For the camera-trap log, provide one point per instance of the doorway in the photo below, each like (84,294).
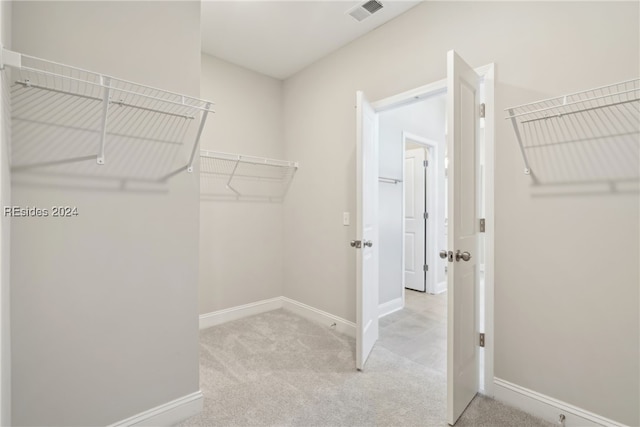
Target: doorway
(412,187)
(470,144)
(424,207)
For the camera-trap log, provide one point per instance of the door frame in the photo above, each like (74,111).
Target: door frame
(431,203)
(486,322)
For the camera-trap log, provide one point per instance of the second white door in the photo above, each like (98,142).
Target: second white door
(414,219)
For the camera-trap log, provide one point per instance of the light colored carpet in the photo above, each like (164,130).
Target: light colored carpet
(278,369)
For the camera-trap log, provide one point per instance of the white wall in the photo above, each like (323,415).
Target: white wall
(104,305)
(566,291)
(5,228)
(425,119)
(241,241)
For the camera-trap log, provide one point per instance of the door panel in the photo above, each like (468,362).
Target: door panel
(414,226)
(409,254)
(462,142)
(366,229)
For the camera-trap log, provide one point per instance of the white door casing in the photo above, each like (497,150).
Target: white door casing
(463,106)
(366,229)
(414,209)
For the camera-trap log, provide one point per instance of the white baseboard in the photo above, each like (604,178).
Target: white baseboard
(234,313)
(390,307)
(169,414)
(439,288)
(546,407)
(319,316)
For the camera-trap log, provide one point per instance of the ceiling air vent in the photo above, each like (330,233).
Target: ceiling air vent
(364,10)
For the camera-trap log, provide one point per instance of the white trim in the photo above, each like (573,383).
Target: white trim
(319,316)
(234,313)
(390,307)
(546,407)
(487,73)
(440,287)
(169,414)
(239,312)
(410,96)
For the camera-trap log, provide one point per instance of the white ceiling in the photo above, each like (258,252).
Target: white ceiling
(279,38)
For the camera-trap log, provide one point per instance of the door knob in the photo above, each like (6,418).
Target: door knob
(368,243)
(448,255)
(465,256)
(356,244)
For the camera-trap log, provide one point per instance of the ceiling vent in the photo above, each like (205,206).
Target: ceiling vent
(364,10)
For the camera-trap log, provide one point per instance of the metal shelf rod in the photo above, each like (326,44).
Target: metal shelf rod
(389,180)
(572,103)
(14,59)
(99,85)
(581,110)
(95,98)
(571,94)
(264,161)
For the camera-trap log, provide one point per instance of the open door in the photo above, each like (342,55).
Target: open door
(367,229)
(415,274)
(463,119)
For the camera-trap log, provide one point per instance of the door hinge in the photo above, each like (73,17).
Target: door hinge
(482,110)
(482,225)
(426,215)
(425,268)
(425,163)
(482,339)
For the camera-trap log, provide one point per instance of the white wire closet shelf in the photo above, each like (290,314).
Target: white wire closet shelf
(103,115)
(245,176)
(594,114)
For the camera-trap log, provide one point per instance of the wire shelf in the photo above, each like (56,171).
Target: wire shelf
(607,114)
(239,176)
(56,103)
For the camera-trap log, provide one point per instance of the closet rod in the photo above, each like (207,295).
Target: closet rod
(126,91)
(579,111)
(573,94)
(95,98)
(389,180)
(14,59)
(254,160)
(568,104)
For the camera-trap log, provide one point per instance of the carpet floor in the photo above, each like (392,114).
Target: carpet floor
(279,369)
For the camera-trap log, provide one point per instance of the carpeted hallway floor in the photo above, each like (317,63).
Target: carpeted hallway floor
(277,368)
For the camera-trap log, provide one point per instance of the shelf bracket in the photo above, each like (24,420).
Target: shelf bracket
(196,144)
(233,172)
(514,122)
(106,82)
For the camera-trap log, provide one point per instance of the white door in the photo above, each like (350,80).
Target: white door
(463,110)
(414,219)
(366,229)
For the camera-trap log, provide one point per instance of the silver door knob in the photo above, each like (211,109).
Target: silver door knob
(443,254)
(465,256)
(368,243)
(356,244)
